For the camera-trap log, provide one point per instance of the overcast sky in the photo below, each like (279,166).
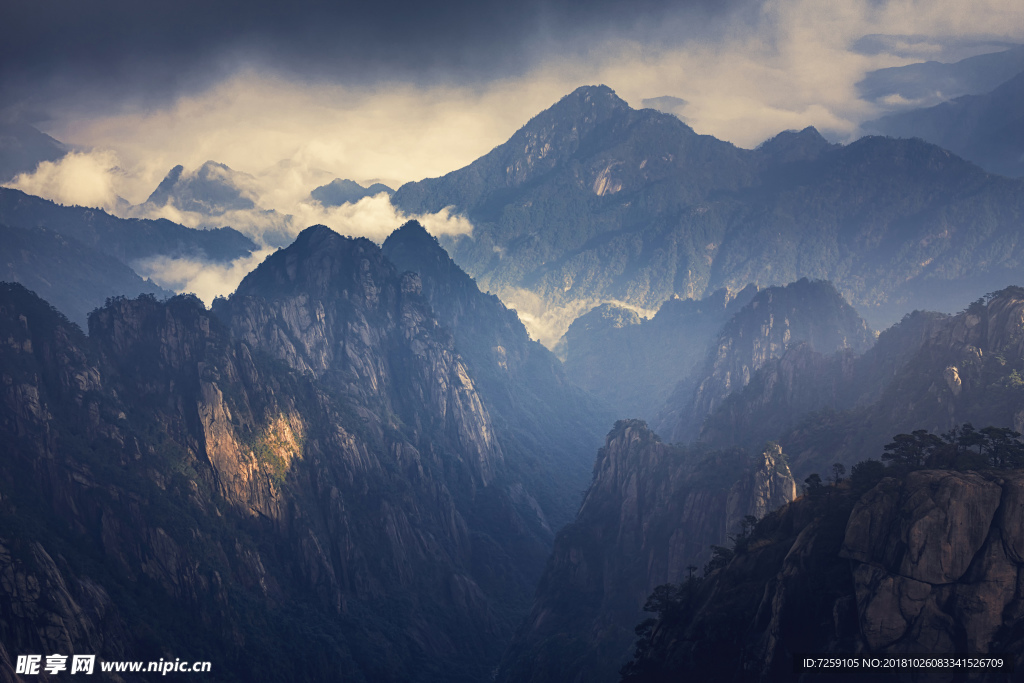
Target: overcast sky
(397,91)
(295,94)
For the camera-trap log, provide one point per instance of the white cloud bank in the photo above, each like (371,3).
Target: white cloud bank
(204,279)
(547,323)
(283,210)
(78,178)
(371,217)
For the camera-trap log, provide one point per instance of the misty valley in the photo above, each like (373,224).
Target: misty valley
(616,401)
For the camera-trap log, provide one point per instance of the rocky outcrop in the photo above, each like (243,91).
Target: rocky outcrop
(931,372)
(337,310)
(648,518)
(926,565)
(43,612)
(934,562)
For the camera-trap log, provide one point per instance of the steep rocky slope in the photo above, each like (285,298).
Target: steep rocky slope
(802,382)
(651,512)
(552,427)
(776,319)
(928,564)
(229,505)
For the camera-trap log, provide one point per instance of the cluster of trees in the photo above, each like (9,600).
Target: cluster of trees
(961,448)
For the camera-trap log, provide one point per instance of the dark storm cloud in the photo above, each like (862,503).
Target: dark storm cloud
(152,50)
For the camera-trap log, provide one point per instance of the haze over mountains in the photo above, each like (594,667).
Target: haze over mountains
(929,83)
(362,463)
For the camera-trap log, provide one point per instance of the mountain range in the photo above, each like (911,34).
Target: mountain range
(127,240)
(74,277)
(77,257)
(594,202)
(926,84)
(362,465)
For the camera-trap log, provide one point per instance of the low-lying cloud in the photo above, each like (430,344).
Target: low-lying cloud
(78,178)
(283,207)
(547,323)
(204,279)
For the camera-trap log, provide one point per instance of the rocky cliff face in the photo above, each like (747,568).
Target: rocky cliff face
(552,427)
(652,511)
(230,489)
(928,564)
(812,313)
(305,480)
(337,310)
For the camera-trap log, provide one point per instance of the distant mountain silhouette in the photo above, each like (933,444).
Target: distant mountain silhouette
(338,192)
(929,83)
(75,278)
(23,148)
(127,240)
(212,189)
(987,129)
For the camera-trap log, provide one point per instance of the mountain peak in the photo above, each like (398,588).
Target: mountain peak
(792,145)
(163,190)
(214,188)
(413,232)
(586,102)
(319,263)
(596,93)
(411,247)
(314,236)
